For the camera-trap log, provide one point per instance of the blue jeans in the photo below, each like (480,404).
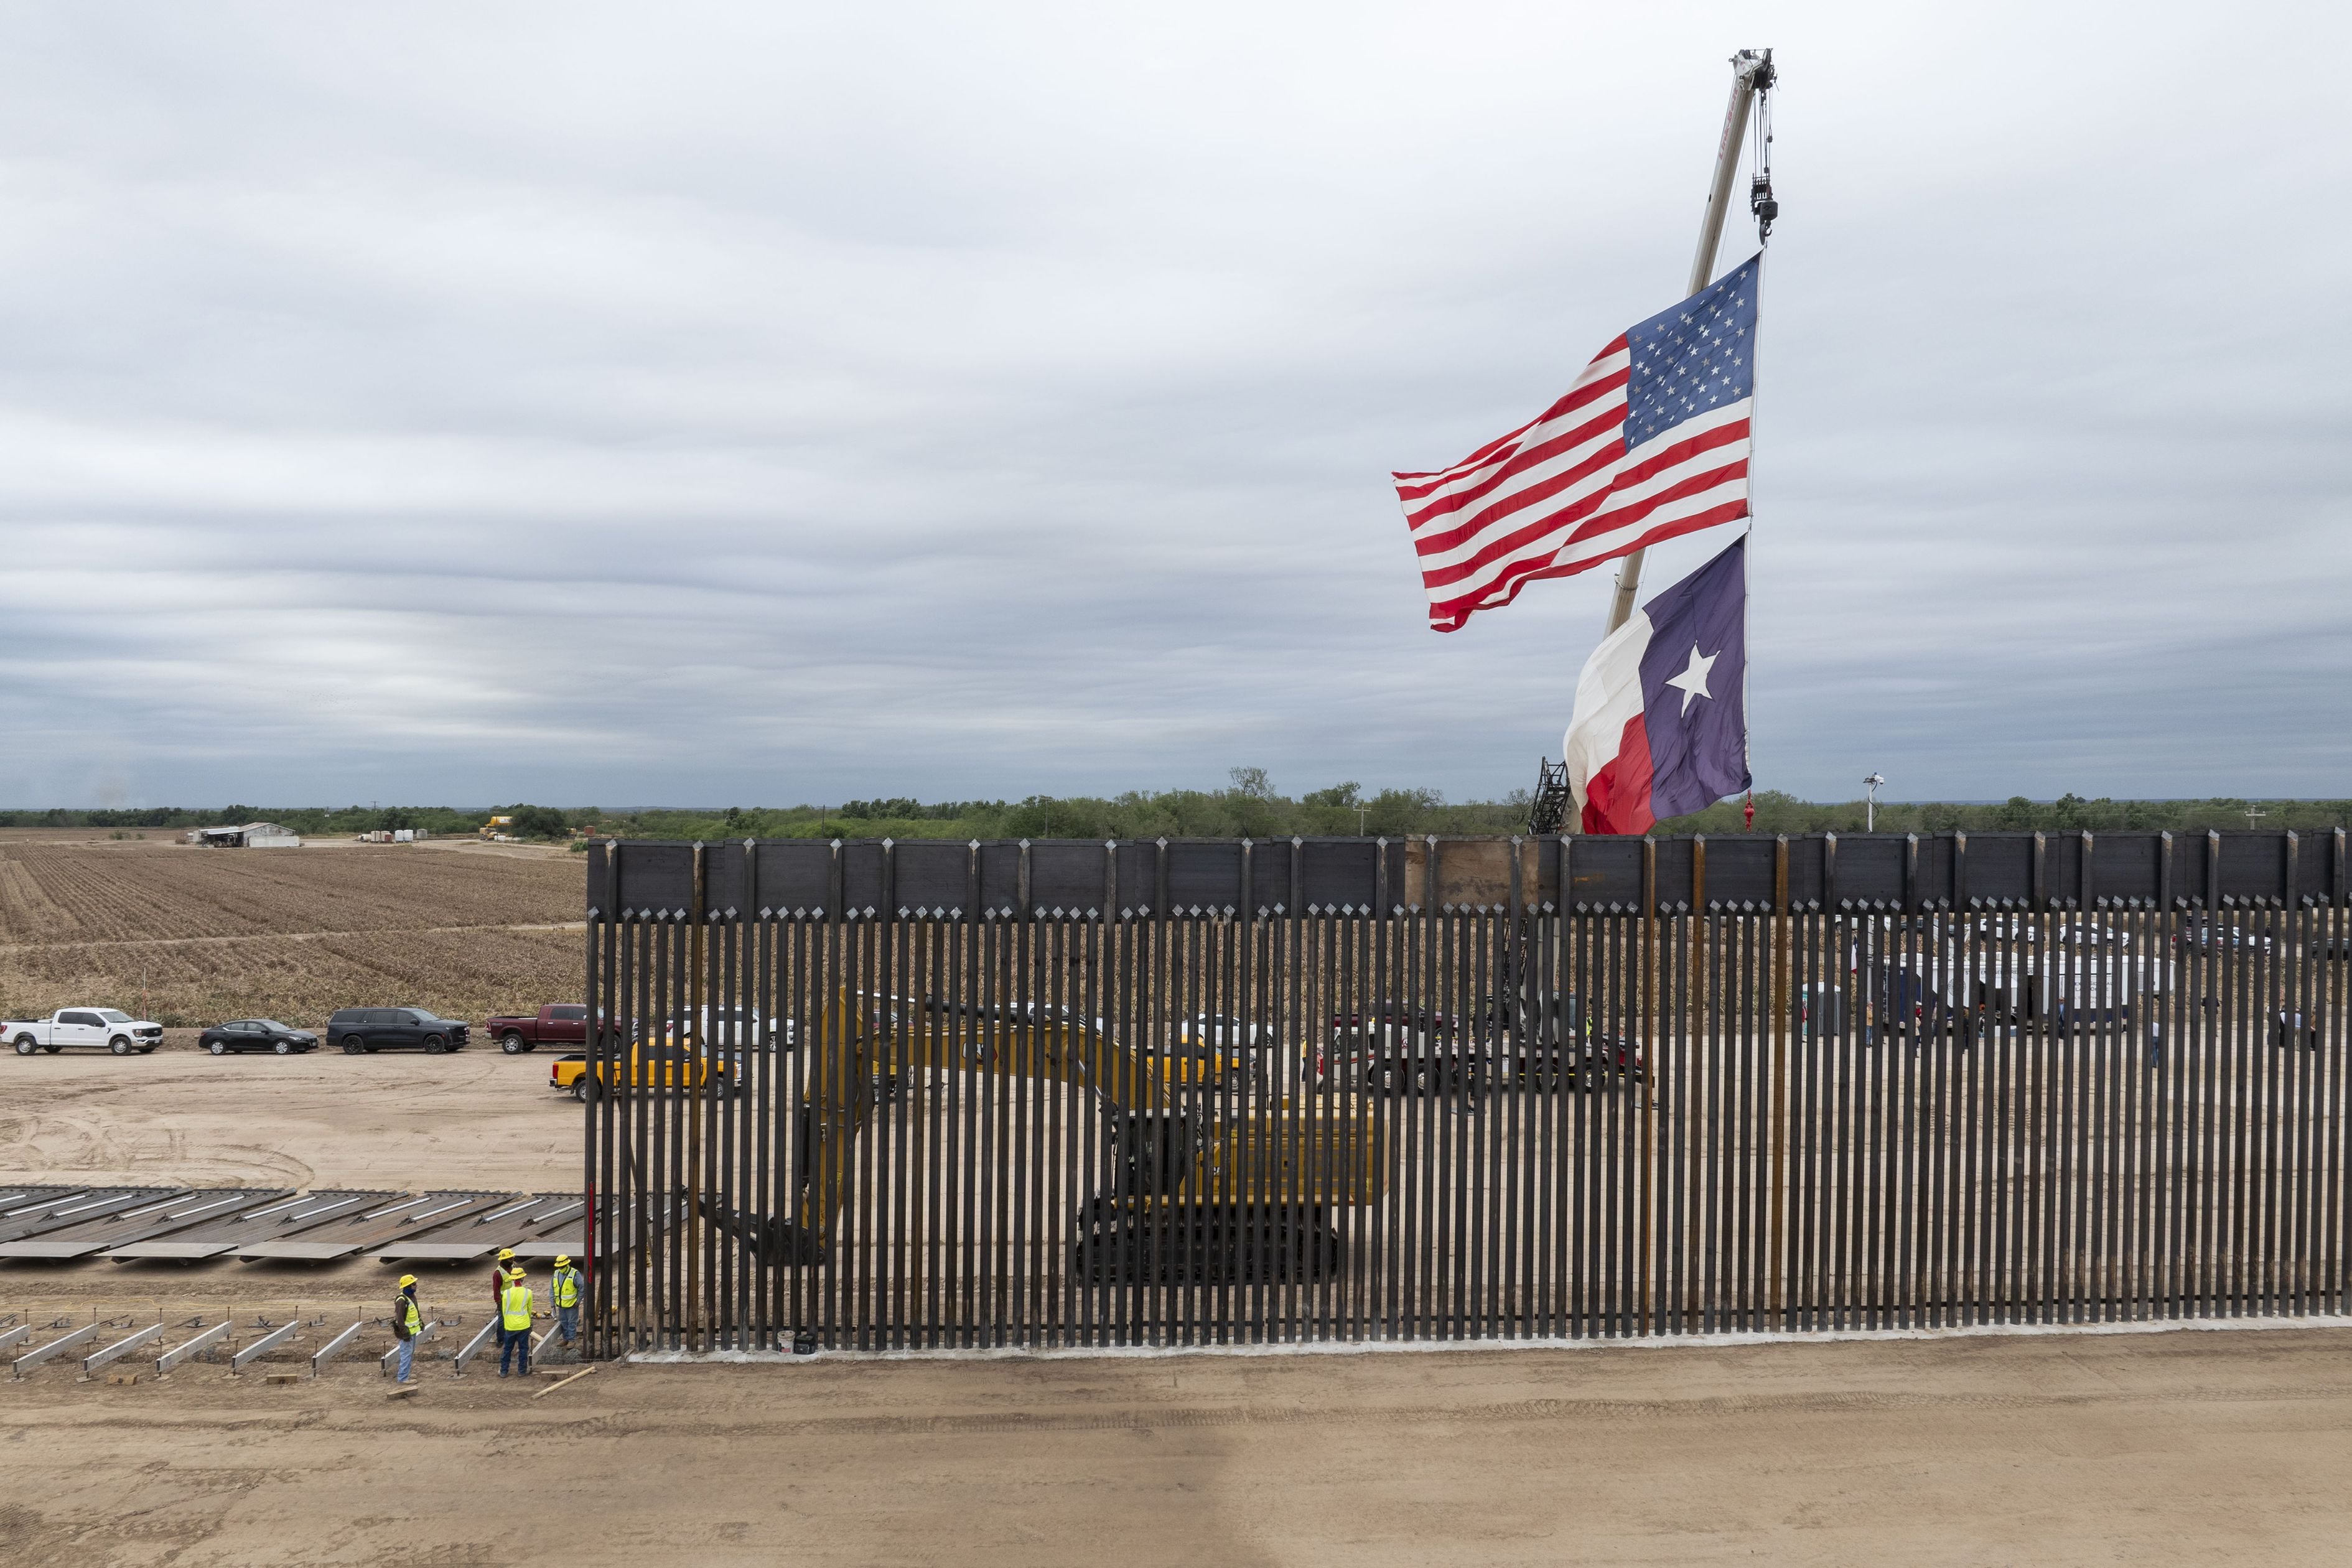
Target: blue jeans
(512,1341)
(407,1358)
(567,1324)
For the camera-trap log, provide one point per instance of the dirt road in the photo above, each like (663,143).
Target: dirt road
(2202,1447)
(474,1117)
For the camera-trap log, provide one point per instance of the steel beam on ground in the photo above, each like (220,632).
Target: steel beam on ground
(334,1347)
(267,1342)
(11,1336)
(384,1362)
(458,1367)
(96,1203)
(168,1215)
(288,1217)
(121,1348)
(525,1217)
(413,1213)
(198,1346)
(59,1346)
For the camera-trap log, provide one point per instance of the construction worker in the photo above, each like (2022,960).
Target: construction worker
(408,1323)
(564,1290)
(499,1286)
(514,1319)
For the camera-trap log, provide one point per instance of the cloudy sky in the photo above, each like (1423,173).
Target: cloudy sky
(766,404)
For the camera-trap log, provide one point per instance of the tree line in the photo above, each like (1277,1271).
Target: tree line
(1248,806)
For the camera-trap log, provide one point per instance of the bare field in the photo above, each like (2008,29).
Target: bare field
(2193,1448)
(471,1118)
(191,936)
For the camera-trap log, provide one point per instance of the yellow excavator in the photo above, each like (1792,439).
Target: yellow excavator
(1208,1184)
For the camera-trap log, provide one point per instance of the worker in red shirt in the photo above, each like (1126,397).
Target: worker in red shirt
(498,1289)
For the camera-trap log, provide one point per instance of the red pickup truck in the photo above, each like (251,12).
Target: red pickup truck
(557,1024)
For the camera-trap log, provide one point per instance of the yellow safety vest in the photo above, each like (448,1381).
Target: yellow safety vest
(567,1286)
(416,1323)
(514,1307)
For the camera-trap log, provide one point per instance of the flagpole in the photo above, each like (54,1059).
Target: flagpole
(1751,73)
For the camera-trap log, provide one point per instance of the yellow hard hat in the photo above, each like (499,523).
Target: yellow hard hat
(406,1280)
(563,1260)
(514,1273)
(505,1252)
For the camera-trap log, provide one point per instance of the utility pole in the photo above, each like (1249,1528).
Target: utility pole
(1361,809)
(1870,809)
(2254,813)
(1751,73)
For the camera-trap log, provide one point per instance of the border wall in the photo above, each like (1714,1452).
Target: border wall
(867,1095)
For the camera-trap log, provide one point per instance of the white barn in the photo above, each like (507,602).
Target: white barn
(248,836)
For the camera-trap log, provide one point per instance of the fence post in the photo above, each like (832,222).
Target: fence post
(1775,1258)
(1646,1166)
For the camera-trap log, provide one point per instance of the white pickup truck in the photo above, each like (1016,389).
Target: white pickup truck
(104,1027)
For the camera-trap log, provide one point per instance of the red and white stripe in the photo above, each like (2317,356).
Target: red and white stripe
(1562,494)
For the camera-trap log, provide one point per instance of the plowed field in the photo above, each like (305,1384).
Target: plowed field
(191,936)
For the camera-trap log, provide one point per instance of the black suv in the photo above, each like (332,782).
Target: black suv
(358,1029)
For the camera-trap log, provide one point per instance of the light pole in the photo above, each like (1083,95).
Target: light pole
(1870,807)
(1361,809)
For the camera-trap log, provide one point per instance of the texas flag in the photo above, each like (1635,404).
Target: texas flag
(1660,724)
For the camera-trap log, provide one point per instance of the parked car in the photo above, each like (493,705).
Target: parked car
(358,1029)
(557,1024)
(256,1035)
(98,1028)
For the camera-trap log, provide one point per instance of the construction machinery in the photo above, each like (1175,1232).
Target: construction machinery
(1201,1180)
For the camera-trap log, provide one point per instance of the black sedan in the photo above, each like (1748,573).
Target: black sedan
(256,1035)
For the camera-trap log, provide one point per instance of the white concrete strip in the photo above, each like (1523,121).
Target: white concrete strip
(334,1347)
(1477,1347)
(39,1353)
(202,1343)
(119,1348)
(262,1346)
(473,1345)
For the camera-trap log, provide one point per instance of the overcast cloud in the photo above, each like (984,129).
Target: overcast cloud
(758,404)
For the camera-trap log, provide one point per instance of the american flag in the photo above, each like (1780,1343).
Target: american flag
(1651,442)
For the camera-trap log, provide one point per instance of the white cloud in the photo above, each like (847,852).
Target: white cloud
(768,404)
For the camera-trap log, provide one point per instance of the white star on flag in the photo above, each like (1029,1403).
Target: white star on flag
(1692,681)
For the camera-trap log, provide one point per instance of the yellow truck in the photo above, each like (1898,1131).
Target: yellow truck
(657,1065)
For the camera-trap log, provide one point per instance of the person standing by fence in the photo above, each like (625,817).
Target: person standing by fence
(408,1323)
(499,1286)
(563,1290)
(514,1320)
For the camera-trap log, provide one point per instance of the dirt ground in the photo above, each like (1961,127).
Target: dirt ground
(474,1118)
(2205,1447)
